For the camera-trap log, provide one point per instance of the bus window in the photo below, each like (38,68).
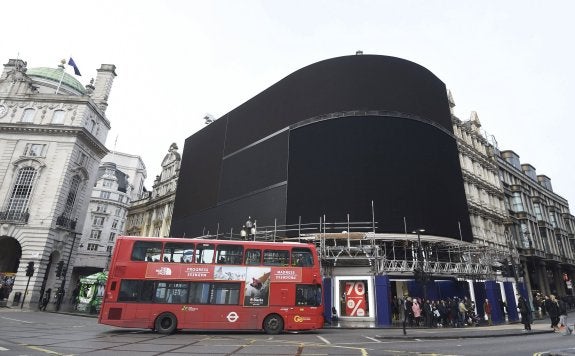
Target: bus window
(204,253)
(171,292)
(229,254)
(308,294)
(301,257)
(176,252)
(225,293)
(276,258)
(199,293)
(147,251)
(253,257)
(136,291)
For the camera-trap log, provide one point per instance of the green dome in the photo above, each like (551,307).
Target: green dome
(55,74)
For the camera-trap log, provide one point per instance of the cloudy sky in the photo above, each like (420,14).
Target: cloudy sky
(511,61)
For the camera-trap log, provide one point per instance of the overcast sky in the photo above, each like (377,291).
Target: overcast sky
(511,61)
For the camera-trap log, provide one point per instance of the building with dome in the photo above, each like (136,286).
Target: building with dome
(53,132)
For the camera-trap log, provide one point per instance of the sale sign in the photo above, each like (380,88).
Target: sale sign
(355,298)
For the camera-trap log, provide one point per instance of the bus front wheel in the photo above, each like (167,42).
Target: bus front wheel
(166,323)
(273,324)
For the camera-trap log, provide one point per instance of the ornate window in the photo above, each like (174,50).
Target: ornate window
(71,199)
(34,150)
(28,115)
(21,191)
(58,117)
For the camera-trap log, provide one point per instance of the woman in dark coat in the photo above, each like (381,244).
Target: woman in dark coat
(525,311)
(552,309)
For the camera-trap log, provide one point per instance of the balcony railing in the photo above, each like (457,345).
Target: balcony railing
(66,223)
(19,217)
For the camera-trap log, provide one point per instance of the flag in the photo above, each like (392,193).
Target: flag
(73,64)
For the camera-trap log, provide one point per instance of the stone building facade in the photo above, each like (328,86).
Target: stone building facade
(120,180)
(53,131)
(151,215)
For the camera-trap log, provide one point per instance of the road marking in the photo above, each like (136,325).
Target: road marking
(372,339)
(324,339)
(22,321)
(4,349)
(44,350)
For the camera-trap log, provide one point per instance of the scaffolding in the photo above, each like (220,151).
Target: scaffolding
(357,244)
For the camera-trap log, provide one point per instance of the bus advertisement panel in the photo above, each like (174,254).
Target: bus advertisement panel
(167,284)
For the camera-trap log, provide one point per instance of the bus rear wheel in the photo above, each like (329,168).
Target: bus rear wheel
(273,324)
(166,323)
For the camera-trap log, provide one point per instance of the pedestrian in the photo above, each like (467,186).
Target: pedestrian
(525,311)
(46,299)
(454,312)
(552,309)
(416,308)
(462,312)
(562,313)
(407,312)
(334,317)
(487,311)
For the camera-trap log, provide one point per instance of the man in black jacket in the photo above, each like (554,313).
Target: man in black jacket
(525,311)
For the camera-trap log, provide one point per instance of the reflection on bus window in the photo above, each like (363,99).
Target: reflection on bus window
(136,291)
(301,257)
(199,293)
(276,258)
(229,255)
(225,293)
(204,253)
(253,257)
(170,292)
(308,294)
(149,251)
(176,252)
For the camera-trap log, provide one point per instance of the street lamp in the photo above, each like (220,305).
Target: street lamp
(419,271)
(249,229)
(60,294)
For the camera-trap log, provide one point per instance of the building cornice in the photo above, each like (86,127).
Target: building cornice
(57,100)
(71,131)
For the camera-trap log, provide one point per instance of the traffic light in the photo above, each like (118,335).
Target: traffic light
(30,269)
(60,269)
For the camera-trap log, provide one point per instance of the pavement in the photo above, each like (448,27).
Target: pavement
(539,326)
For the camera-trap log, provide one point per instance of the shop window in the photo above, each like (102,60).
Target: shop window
(353,299)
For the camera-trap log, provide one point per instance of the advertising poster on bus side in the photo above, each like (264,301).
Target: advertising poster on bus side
(257,288)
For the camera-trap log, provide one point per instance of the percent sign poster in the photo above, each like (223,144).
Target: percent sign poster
(355,298)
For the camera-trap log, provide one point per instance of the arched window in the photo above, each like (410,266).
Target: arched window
(71,199)
(58,117)
(28,115)
(21,191)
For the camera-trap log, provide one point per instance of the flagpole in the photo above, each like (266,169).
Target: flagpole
(62,77)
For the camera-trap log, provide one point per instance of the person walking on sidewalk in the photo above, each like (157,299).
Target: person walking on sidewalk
(562,313)
(552,309)
(487,311)
(525,311)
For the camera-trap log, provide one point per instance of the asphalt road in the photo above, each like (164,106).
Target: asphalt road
(41,333)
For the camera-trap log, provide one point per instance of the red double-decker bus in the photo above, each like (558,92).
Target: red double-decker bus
(167,284)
